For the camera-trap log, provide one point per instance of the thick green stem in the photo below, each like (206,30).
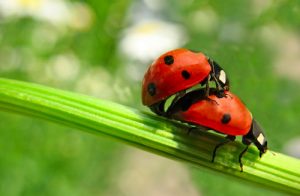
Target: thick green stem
(150,132)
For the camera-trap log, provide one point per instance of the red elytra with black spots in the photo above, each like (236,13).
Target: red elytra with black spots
(227,115)
(172,72)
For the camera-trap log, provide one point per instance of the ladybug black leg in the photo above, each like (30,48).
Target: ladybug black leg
(229,138)
(158,108)
(227,95)
(207,86)
(218,86)
(207,91)
(219,77)
(189,131)
(221,94)
(241,155)
(213,75)
(177,97)
(211,100)
(260,154)
(220,90)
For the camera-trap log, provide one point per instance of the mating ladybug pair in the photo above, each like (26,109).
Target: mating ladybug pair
(178,85)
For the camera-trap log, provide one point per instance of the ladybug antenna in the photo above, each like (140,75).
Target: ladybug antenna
(256,136)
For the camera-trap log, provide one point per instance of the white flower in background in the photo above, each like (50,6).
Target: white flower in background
(162,177)
(59,69)
(147,39)
(259,7)
(148,36)
(231,32)
(44,37)
(155,4)
(97,82)
(204,20)
(293,147)
(82,17)
(63,67)
(57,12)
(285,43)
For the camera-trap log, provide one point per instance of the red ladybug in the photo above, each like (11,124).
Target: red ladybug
(174,72)
(227,115)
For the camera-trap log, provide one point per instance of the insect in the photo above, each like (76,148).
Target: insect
(226,115)
(176,71)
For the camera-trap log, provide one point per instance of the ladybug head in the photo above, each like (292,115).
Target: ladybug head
(173,72)
(256,136)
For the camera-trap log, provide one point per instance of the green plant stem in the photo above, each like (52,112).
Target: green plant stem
(152,133)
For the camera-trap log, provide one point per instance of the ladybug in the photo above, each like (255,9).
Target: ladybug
(176,71)
(226,115)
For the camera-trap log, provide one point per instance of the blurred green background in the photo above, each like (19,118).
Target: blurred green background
(102,49)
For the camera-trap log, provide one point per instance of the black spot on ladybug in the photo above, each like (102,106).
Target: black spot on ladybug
(226,118)
(151,89)
(185,74)
(169,60)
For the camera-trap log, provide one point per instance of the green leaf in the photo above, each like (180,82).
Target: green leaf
(149,132)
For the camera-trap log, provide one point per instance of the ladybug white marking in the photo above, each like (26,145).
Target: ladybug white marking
(261,139)
(222,77)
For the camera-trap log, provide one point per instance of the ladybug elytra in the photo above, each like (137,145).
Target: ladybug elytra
(176,71)
(226,115)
